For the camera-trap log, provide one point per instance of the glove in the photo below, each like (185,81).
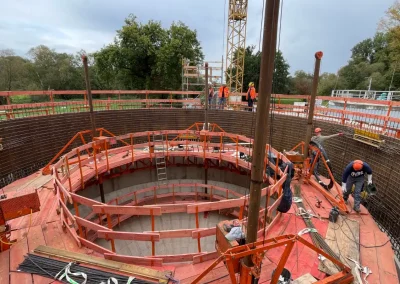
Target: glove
(340,133)
(344,187)
(369,179)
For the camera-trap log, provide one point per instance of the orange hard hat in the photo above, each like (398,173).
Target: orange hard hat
(358,165)
(318,130)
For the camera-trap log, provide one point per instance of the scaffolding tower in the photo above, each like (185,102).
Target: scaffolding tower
(236,44)
(193,76)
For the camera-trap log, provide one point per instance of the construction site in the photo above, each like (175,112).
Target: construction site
(174,190)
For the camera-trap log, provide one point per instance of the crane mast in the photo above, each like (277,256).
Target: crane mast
(236,44)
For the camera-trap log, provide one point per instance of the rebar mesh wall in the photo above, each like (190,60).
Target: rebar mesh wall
(30,143)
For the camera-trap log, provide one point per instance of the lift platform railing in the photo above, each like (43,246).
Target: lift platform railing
(336,196)
(69,178)
(372,116)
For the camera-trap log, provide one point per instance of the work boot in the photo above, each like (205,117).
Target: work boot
(357,209)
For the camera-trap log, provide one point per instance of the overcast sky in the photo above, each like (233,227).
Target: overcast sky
(333,26)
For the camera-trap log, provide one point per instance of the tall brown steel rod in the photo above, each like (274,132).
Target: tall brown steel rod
(318,56)
(262,119)
(89,95)
(206,121)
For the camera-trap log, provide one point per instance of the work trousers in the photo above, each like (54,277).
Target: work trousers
(250,103)
(358,183)
(221,103)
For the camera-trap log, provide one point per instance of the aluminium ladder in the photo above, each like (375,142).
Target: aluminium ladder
(159,156)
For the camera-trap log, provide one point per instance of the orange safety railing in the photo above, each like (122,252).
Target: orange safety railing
(378,117)
(335,198)
(70,178)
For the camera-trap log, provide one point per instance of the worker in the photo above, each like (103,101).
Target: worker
(320,139)
(210,96)
(222,94)
(354,175)
(251,96)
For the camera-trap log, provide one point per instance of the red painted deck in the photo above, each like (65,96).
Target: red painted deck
(42,228)
(45,229)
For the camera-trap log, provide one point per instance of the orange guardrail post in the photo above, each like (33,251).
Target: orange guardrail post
(69,176)
(95,159)
(80,168)
(106,150)
(76,207)
(133,155)
(197,226)
(109,223)
(153,245)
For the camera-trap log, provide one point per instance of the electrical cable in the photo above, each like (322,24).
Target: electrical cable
(223,32)
(49,268)
(261,26)
(354,238)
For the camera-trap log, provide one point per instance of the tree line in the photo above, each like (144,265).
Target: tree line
(142,56)
(148,56)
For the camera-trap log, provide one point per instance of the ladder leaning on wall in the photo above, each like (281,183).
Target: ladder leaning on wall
(159,156)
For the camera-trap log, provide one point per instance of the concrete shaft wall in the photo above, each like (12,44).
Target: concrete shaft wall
(30,143)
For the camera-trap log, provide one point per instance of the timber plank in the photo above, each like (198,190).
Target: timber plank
(5,267)
(368,256)
(101,262)
(90,225)
(94,246)
(35,238)
(387,267)
(52,235)
(211,206)
(305,279)
(17,252)
(126,210)
(205,257)
(337,238)
(145,236)
(45,205)
(134,260)
(69,242)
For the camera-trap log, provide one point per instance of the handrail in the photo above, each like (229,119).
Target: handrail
(79,173)
(380,122)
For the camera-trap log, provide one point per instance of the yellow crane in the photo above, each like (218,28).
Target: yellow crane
(236,44)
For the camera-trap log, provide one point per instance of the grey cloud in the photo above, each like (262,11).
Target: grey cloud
(333,26)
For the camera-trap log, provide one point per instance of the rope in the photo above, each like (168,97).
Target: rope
(261,26)
(223,33)
(29,228)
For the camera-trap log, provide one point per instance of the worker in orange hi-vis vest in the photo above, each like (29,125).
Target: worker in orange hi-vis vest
(223,93)
(251,96)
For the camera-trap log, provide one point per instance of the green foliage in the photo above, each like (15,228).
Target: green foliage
(301,83)
(143,56)
(146,56)
(252,64)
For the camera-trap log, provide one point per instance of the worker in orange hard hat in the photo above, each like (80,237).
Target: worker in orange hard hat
(251,96)
(222,94)
(319,139)
(354,175)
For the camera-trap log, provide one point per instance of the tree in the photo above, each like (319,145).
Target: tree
(252,64)
(12,70)
(146,56)
(301,83)
(391,25)
(52,70)
(281,74)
